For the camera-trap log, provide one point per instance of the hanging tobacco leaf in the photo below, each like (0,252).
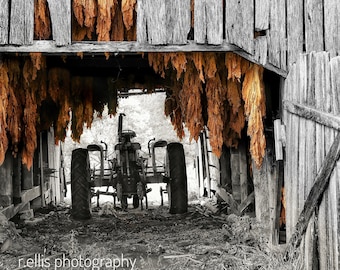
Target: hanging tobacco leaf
(255,109)
(42,21)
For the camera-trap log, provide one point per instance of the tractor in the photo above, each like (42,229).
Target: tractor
(128,173)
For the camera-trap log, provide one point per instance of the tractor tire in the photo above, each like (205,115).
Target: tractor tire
(80,184)
(177,188)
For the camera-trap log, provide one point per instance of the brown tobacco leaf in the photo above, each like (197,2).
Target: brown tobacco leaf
(234,67)
(84,20)
(179,63)
(210,66)
(128,7)
(254,99)
(42,22)
(105,15)
(190,101)
(234,95)
(117,27)
(30,133)
(199,61)
(216,95)
(4,85)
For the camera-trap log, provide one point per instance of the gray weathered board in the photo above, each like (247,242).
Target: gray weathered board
(21,22)
(311,104)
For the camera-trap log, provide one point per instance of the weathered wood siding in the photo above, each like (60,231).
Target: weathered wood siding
(4,15)
(60,11)
(21,22)
(313,85)
(272,33)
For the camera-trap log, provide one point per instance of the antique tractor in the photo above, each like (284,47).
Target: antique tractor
(128,173)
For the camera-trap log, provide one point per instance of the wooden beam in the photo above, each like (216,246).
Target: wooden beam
(50,47)
(26,197)
(307,112)
(320,184)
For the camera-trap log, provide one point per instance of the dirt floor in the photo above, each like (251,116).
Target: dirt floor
(148,239)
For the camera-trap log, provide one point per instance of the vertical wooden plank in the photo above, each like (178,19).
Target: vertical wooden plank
(6,183)
(314,34)
(261,191)
(21,22)
(200,30)
(235,174)
(334,188)
(311,165)
(4,19)
(200,166)
(262,15)
(332,26)
(208,22)
(242,154)
(261,50)
(239,24)
(178,21)
(303,137)
(17,180)
(320,154)
(27,178)
(155,12)
(225,169)
(141,22)
(294,30)
(287,117)
(273,186)
(277,34)
(60,11)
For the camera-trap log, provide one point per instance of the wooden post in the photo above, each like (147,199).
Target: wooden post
(225,169)
(206,158)
(200,165)
(260,180)
(27,178)
(6,183)
(243,171)
(42,182)
(17,180)
(235,174)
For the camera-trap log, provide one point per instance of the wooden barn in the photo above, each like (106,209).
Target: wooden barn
(255,82)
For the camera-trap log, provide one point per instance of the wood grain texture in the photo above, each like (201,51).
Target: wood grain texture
(208,23)
(163,22)
(239,24)
(277,45)
(178,21)
(262,10)
(332,26)
(4,22)
(60,11)
(294,30)
(21,22)
(314,34)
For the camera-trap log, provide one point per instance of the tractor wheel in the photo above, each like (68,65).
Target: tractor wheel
(80,184)
(177,188)
(135,201)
